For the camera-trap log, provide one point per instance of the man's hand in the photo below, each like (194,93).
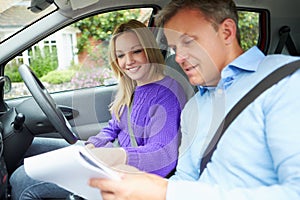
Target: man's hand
(90,146)
(110,156)
(132,186)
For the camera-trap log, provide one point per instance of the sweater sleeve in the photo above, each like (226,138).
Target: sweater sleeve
(161,137)
(107,135)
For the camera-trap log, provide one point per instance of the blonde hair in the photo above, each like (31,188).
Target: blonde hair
(126,85)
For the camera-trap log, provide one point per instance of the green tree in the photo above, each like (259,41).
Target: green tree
(43,61)
(11,70)
(249,28)
(100,27)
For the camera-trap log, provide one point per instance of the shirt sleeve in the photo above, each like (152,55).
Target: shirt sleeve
(178,190)
(186,169)
(280,107)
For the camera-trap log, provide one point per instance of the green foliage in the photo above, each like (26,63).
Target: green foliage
(11,70)
(100,27)
(42,62)
(58,76)
(249,28)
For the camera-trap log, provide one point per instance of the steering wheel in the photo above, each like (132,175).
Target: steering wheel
(47,104)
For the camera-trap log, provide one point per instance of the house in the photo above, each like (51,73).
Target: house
(63,42)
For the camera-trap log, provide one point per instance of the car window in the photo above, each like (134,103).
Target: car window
(15,15)
(250,33)
(74,57)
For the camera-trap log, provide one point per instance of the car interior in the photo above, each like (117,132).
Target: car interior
(78,113)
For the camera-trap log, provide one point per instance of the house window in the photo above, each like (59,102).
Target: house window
(50,45)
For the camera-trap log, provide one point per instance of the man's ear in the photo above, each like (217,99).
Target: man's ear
(228,29)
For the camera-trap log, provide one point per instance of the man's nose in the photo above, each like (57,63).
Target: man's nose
(181,56)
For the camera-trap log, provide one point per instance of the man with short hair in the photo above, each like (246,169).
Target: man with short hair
(258,157)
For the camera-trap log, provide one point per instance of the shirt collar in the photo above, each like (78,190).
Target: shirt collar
(203,89)
(248,61)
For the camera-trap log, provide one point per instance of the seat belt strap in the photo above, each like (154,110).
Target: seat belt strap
(286,39)
(263,85)
(131,134)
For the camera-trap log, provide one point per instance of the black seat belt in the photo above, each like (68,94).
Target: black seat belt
(286,39)
(263,85)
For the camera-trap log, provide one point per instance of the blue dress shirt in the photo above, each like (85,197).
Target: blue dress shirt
(258,156)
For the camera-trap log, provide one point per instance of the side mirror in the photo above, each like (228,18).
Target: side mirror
(7,83)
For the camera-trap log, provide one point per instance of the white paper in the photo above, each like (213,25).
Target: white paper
(69,170)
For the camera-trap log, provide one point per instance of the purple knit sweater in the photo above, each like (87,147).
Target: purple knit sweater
(155,121)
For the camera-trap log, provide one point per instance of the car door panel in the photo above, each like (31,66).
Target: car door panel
(89,109)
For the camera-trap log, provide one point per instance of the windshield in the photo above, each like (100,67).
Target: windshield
(16,14)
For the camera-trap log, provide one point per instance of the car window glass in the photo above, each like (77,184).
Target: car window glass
(249,28)
(74,57)
(15,15)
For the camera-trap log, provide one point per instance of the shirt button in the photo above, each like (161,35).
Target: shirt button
(219,91)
